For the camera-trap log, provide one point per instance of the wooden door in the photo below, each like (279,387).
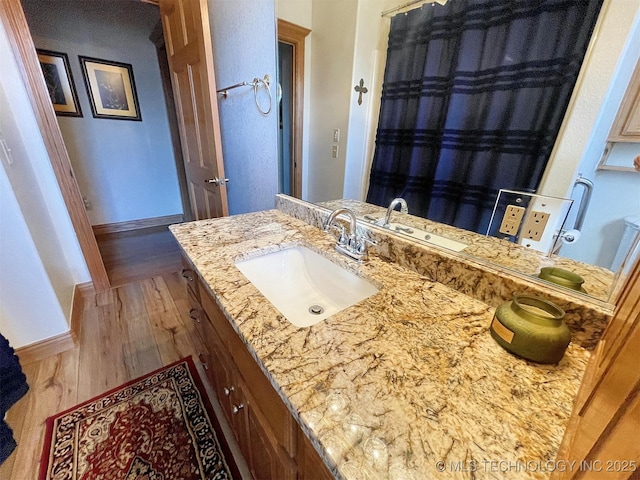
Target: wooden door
(601,440)
(188,40)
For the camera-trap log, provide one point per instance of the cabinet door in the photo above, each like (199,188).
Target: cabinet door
(266,458)
(310,465)
(221,373)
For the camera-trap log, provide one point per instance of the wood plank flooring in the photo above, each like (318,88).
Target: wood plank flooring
(126,332)
(138,254)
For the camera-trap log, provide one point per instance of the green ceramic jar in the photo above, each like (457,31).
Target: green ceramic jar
(532,328)
(562,277)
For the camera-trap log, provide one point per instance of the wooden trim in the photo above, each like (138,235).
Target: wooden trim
(602,164)
(81,292)
(621,130)
(107,228)
(15,24)
(213,114)
(45,348)
(294,35)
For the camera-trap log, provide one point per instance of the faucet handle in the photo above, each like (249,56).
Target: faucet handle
(361,245)
(342,237)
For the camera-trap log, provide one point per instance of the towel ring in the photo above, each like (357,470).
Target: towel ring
(256,83)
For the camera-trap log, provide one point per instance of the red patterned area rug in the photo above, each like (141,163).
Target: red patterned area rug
(157,427)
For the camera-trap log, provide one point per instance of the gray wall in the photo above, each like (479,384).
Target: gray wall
(125,168)
(244,47)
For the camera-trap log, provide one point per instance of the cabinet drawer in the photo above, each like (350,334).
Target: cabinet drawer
(272,408)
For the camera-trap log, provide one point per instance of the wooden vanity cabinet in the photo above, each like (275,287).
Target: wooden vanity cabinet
(196,313)
(269,437)
(263,428)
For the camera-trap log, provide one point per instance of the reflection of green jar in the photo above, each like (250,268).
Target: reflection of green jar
(531,328)
(562,277)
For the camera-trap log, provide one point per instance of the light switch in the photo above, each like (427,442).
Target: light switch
(334,151)
(336,135)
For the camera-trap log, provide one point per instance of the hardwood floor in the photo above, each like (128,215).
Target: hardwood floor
(125,332)
(138,254)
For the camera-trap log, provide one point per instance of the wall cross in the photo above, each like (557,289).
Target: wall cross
(360,88)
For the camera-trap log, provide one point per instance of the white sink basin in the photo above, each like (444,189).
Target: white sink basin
(303,285)
(427,237)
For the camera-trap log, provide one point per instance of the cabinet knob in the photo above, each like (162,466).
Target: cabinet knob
(237,408)
(227,391)
(193,314)
(202,361)
(187,274)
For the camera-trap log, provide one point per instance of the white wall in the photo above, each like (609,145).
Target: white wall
(614,27)
(295,11)
(333,34)
(29,308)
(40,258)
(616,194)
(370,53)
(244,47)
(126,169)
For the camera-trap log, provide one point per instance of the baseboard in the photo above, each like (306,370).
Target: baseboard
(65,341)
(45,348)
(107,228)
(80,292)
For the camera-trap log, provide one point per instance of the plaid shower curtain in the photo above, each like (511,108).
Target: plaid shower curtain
(473,97)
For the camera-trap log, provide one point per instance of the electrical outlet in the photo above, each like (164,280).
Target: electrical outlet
(87,203)
(336,135)
(512,220)
(534,225)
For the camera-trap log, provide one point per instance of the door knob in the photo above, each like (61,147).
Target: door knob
(218,182)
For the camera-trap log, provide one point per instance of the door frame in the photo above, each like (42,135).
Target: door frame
(294,35)
(15,24)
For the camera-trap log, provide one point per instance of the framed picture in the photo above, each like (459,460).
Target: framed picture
(57,76)
(111,88)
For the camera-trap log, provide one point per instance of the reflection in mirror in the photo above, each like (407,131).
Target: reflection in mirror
(348,42)
(597,280)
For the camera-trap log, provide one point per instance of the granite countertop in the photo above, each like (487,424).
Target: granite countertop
(598,280)
(400,381)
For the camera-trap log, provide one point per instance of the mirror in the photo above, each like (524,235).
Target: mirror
(348,42)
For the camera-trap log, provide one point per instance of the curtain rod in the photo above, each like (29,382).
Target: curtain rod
(409,4)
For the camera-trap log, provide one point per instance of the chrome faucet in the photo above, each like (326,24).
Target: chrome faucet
(350,245)
(394,203)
